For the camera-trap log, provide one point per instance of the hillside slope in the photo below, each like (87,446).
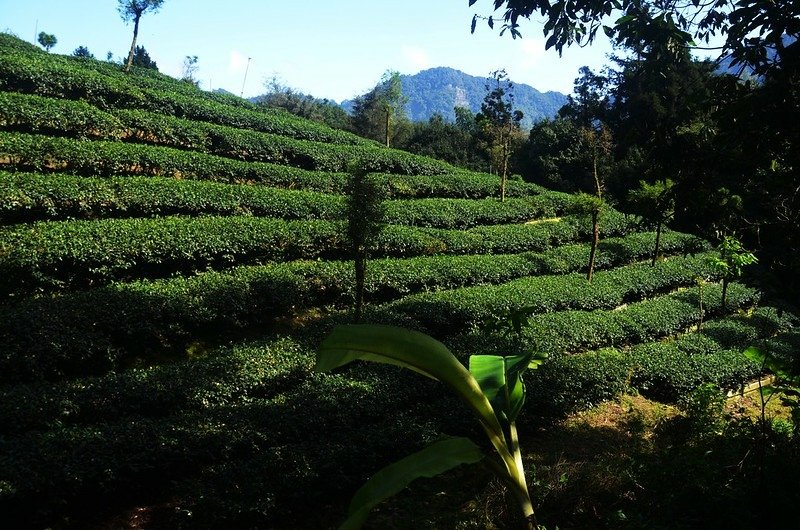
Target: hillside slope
(170,259)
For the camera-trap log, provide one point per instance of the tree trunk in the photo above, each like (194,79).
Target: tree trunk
(595,241)
(724,294)
(133,43)
(658,244)
(388,116)
(504,174)
(361,273)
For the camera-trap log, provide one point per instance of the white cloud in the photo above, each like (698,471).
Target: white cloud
(532,50)
(416,57)
(237,62)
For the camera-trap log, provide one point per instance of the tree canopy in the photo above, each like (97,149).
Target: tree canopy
(753,30)
(132,10)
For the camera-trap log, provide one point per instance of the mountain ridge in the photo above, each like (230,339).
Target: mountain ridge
(438,90)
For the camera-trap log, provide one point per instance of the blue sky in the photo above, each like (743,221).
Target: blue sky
(328,48)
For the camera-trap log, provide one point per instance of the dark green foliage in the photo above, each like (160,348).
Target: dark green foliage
(97,330)
(105,87)
(365,221)
(124,381)
(88,253)
(451,311)
(142,59)
(100,158)
(83,51)
(21,112)
(577,382)
(27,197)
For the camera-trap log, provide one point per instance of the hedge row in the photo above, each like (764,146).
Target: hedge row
(29,113)
(27,197)
(666,370)
(103,158)
(103,328)
(107,87)
(255,414)
(458,310)
(263,147)
(670,370)
(67,254)
(573,331)
(34,114)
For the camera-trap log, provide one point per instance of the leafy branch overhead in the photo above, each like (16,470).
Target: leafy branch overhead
(751,28)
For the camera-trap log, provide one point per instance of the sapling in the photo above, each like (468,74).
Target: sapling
(730,262)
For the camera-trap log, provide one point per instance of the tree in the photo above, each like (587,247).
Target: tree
(379,113)
(450,142)
(364,223)
(47,40)
(142,59)
(189,70)
(655,202)
(498,122)
(556,155)
(392,99)
(599,142)
(732,258)
(83,51)
(753,29)
(281,96)
(132,10)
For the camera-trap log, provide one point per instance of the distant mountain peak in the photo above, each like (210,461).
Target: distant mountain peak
(438,90)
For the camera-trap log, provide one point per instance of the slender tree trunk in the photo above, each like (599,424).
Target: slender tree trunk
(596,213)
(133,43)
(504,174)
(388,116)
(724,294)
(361,274)
(595,241)
(658,244)
(700,297)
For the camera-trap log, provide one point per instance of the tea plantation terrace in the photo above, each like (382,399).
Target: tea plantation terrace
(170,259)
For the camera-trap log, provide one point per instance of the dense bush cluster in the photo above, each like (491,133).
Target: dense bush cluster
(27,197)
(106,87)
(99,329)
(78,119)
(88,253)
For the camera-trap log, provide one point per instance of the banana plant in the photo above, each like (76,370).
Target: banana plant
(491,388)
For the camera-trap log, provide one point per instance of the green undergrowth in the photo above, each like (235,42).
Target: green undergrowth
(104,328)
(86,253)
(30,197)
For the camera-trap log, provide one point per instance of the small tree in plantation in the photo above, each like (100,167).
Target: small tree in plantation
(133,10)
(83,51)
(47,40)
(189,70)
(730,262)
(656,203)
(142,59)
(364,223)
(497,122)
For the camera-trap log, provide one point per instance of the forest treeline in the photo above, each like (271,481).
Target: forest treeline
(685,141)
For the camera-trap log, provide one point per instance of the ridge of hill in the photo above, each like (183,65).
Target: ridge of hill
(170,260)
(439,90)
